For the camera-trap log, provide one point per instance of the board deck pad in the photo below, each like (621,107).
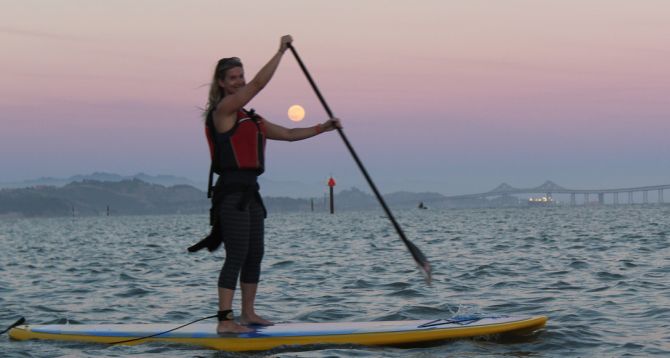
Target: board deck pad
(288,334)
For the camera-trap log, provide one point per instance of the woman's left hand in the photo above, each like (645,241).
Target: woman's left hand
(331,124)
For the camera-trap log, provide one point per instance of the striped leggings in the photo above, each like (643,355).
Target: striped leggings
(243,239)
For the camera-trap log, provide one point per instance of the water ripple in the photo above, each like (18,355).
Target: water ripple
(600,274)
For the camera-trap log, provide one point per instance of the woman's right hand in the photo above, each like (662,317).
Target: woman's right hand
(284,42)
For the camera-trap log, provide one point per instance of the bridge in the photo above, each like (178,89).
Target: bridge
(549,188)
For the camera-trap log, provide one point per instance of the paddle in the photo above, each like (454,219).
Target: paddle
(418,256)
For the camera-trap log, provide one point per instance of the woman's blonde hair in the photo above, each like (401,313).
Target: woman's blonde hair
(216,94)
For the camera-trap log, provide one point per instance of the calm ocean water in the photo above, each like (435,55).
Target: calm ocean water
(602,275)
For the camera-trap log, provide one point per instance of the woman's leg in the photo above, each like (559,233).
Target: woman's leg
(235,230)
(251,270)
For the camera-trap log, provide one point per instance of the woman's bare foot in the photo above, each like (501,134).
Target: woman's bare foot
(254,319)
(227,327)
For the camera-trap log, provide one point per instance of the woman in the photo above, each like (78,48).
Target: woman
(237,143)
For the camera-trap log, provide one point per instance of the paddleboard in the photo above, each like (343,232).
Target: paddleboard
(289,334)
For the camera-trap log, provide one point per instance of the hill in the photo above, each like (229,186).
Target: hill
(92,197)
(136,197)
(165,180)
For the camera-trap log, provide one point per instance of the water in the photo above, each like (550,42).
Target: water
(600,274)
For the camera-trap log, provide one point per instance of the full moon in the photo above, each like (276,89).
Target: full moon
(296,113)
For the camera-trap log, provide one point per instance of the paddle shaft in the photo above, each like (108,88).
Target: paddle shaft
(416,253)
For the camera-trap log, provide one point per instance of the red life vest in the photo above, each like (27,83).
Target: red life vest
(240,148)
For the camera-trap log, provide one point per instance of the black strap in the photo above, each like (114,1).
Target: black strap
(17,323)
(161,333)
(209,123)
(213,241)
(210,189)
(465,320)
(225,315)
(252,114)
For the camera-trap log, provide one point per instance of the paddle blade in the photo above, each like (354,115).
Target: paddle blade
(421,261)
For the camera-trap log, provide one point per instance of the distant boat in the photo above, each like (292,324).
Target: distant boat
(546,200)
(421,206)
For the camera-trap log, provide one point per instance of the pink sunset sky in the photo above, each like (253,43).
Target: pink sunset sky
(447,96)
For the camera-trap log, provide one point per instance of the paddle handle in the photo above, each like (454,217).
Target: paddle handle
(418,256)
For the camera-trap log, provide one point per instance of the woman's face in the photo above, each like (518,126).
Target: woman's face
(234,80)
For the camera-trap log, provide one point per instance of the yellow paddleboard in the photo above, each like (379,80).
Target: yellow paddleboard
(289,334)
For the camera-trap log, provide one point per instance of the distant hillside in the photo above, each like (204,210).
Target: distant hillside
(92,197)
(279,188)
(165,180)
(136,197)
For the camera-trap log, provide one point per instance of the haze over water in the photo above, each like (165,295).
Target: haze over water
(599,274)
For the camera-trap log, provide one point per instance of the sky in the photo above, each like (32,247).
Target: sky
(447,96)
